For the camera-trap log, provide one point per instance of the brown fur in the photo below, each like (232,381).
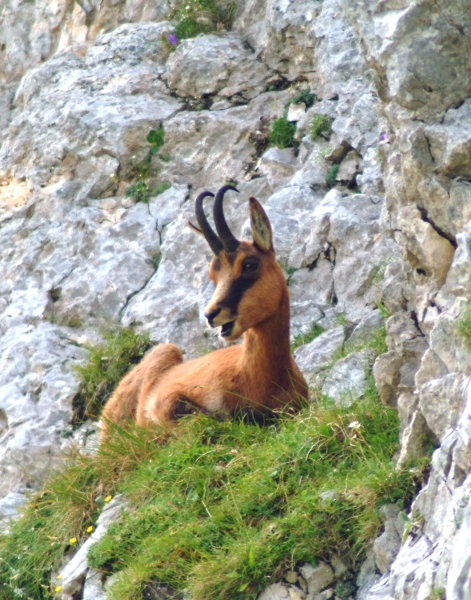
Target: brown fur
(258,376)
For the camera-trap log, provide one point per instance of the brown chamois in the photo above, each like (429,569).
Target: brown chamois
(259,376)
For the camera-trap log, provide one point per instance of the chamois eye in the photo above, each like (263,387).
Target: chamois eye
(249,266)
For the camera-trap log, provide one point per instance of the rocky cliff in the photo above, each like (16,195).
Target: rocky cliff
(83,83)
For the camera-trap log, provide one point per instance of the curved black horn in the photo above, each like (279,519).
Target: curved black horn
(209,235)
(230,242)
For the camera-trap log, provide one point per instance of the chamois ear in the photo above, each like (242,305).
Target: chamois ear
(261,227)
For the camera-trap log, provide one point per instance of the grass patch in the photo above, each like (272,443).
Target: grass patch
(464,325)
(331,176)
(108,363)
(304,338)
(218,508)
(156,137)
(305,96)
(320,125)
(201,16)
(282,133)
(142,170)
(376,340)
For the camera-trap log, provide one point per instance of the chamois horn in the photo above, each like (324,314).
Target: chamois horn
(228,240)
(209,235)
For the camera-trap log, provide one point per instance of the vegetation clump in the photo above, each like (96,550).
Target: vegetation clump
(141,190)
(107,363)
(331,176)
(304,338)
(282,133)
(217,508)
(464,325)
(320,125)
(201,16)
(305,96)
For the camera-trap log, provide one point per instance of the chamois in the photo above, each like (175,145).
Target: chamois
(259,376)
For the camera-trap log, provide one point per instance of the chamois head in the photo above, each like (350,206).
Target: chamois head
(249,282)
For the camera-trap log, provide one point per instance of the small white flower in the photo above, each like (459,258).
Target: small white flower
(355,425)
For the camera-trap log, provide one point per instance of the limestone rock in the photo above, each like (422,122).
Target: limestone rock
(317,578)
(314,357)
(347,380)
(73,573)
(10,508)
(210,64)
(275,591)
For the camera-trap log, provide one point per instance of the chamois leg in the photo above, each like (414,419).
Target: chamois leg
(123,404)
(166,404)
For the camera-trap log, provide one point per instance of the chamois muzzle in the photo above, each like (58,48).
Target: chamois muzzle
(229,241)
(209,235)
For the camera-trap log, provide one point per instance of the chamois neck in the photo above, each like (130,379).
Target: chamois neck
(266,347)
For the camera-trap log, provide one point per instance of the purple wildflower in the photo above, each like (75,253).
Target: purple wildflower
(383,136)
(172,38)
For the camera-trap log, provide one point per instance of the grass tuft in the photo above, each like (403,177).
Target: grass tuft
(320,124)
(282,133)
(331,176)
(464,325)
(108,363)
(201,16)
(305,96)
(304,338)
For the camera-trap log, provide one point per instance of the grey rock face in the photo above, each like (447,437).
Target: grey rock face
(210,65)
(424,157)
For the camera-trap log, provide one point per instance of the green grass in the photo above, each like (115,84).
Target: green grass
(320,124)
(304,338)
(201,16)
(464,325)
(282,133)
(331,176)
(376,340)
(156,138)
(108,363)
(218,508)
(305,96)
(142,170)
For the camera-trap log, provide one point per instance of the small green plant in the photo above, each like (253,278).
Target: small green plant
(437,593)
(325,152)
(464,325)
(160,188)
(107,363)
(155,137)
(141,189)
(304,338)
(320,125)
(282,133)
(305,96)
(331,176)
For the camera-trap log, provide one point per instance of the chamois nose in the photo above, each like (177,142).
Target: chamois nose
(212,315)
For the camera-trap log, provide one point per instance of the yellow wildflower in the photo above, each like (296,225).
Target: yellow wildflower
(58,588)
(108,498)
(90,529)
(73,540)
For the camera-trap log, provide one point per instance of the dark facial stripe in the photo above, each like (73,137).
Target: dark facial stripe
(236,290)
